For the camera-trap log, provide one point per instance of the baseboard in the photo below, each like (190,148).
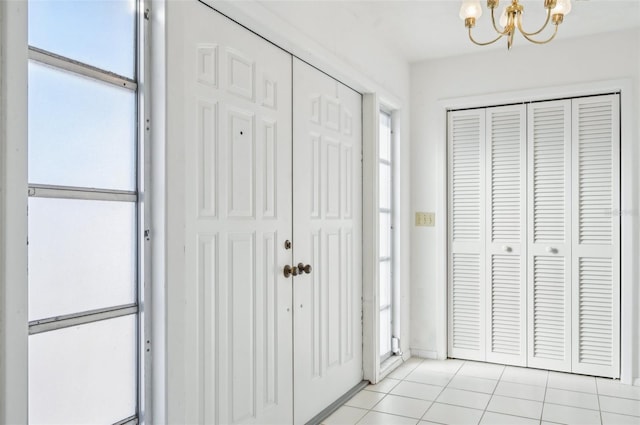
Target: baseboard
(424,354)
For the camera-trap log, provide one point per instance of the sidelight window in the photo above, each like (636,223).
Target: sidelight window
(84,212)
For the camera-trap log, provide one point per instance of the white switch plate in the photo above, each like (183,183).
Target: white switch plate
(425,219)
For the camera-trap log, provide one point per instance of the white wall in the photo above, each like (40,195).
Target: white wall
(372,70)
(525,68)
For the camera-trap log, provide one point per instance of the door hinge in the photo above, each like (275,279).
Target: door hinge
(147,235)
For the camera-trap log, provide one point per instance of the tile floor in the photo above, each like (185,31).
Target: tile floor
(464,392)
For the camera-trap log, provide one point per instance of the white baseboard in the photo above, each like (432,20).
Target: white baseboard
(424,354)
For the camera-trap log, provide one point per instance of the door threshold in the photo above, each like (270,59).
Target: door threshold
(317,419)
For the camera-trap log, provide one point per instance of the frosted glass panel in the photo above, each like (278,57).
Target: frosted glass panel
(96,32)
(385,136)
(81,131)
(84,374)
(385,186)
(385,331)
(385,283)
(385,235)
(81,255)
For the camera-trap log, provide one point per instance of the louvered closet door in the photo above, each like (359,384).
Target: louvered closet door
(506,235)
(466,234)
(549,235)
(596,236)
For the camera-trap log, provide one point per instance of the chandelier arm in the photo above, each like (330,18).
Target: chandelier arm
(486,43)
(546,22)
(495,27)
(542,41)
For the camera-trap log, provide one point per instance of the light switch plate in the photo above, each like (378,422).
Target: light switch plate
(425,219)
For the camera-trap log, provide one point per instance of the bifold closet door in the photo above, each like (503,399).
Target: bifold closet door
(549,238)
(236,124)
(467,289)
(327,199)
(596,236)
(505,236)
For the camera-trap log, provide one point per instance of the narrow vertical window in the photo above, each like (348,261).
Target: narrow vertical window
(386,238)
(83,212)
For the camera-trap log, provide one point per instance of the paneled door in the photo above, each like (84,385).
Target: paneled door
(327,194)
(237,135)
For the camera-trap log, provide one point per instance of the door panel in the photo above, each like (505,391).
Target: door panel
(466,229)
(549,207)
(596,236)
(237,135)
(506,234)
(327,193)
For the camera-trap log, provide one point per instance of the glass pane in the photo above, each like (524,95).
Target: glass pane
(81,131)
(84,374)
(385,136)
(385,283)
(385,186)
(385,235)
(385,332)
(81,255)
(97,32)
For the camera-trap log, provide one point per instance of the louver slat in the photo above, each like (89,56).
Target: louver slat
(465,169)
(466,301)
(595,315)
(549,175)
(505,176)
(506,332)
(548,308)
(595,164)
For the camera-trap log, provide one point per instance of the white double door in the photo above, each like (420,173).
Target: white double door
(273,179)
(534,231)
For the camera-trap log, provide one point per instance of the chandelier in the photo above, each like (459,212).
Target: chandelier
(511,19)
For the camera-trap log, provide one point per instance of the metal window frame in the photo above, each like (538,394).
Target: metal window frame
(389,162)
(139,196)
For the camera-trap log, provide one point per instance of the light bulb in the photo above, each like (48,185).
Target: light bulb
(563,7)
(503,18)
(470,9)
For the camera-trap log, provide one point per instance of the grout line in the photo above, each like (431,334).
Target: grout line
(598,398)
(442,390)
(544,399)
(504,367)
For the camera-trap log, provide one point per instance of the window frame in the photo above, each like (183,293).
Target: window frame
(388,116)
(139,196)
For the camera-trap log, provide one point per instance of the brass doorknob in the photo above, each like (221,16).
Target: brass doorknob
(304,269)
(290,271)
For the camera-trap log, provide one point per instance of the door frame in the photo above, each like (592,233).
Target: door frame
(256,18)
(628,201)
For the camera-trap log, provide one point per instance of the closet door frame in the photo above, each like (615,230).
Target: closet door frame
(628,199)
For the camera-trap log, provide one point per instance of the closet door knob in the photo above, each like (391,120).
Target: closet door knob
(304,269)
(552,250)
(507,248)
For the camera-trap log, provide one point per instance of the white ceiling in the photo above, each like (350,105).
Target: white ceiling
(425,29)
